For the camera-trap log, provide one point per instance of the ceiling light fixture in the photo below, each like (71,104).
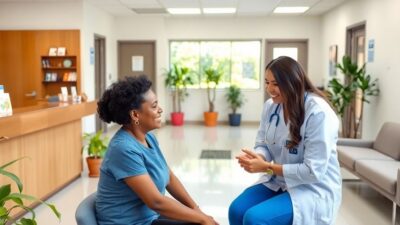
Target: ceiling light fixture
(297,9)
(183,11)
(219,10)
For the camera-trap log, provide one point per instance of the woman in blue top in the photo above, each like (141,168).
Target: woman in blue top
(296,153)
(134,174)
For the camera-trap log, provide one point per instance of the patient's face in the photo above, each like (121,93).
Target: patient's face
(149,114)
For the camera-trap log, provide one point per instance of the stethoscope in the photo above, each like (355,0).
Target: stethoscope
(271,118)
(276,115)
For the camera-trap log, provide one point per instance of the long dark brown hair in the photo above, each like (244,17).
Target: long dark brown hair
(293,83)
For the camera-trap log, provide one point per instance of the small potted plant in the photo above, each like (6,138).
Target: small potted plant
(212,77)
(235,100)
(10,201)
(96,148)
(177,79)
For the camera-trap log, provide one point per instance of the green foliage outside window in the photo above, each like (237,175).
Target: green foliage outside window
(239,61)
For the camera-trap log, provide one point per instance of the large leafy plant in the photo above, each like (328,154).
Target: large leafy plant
(10,201)
(177,79)
(97,144)
(212,77)
(235,98)
(343,95)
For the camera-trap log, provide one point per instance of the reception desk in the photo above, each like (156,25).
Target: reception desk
(49,135)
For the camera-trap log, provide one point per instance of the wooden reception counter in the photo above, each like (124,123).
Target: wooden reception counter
(50,136)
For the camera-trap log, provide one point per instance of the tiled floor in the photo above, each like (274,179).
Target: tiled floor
(214,183)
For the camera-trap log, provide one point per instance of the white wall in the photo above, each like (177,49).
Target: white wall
(40,15)
(382,22)
(96,21)
(164,29)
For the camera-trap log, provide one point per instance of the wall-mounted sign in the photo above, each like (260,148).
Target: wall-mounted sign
(371,50)
(91,55)
(137,63)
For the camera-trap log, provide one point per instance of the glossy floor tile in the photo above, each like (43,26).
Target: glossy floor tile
(214,183)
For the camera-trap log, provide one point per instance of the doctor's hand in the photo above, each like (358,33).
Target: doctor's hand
(252,162)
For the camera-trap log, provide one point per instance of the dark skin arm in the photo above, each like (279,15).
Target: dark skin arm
(145,188)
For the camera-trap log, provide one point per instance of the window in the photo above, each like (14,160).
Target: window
(239,60)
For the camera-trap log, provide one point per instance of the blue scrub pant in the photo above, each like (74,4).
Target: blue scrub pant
(260,205)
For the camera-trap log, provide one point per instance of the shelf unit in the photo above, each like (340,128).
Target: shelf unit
(58,71)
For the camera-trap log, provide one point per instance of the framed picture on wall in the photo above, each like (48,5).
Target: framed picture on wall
(332,60)
(61,51)
(52,51)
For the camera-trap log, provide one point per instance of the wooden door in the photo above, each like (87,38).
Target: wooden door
(136,58)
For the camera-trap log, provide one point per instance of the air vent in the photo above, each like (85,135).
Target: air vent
(149,10)
(215,154)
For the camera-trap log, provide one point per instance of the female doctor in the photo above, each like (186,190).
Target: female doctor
(295,152)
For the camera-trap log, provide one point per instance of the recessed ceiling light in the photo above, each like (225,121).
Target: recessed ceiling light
(297,9)
(184,10)
(219,10)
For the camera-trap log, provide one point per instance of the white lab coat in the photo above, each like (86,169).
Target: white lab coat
(311,172)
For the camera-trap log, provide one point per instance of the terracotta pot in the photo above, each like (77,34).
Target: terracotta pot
(177,118)
(94,166)
(210,119)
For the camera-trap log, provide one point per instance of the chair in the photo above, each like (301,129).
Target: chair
(86,212)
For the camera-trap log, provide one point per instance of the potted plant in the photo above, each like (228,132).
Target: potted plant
(12,200)
(235,100)
(212,77)
(177,79)
(357,85)
(96,147)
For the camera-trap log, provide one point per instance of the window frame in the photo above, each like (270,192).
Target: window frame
(260,82)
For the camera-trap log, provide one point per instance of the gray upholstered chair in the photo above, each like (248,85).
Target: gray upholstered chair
(86,212)
(376,162)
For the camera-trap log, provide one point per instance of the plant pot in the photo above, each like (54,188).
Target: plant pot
(94,166)
(210,119)
(177,118)
(234,119)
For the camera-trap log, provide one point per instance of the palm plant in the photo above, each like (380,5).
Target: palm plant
(344,95)
(212,77)
(178,78)
(10,201)
(235,98)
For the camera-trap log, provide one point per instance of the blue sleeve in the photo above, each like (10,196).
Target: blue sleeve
(125,161)
(260,146)
(320,137)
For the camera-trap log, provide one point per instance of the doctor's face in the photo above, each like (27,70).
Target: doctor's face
(272,88)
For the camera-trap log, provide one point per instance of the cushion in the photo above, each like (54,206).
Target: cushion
(348,155)
(388,140)
(382,173)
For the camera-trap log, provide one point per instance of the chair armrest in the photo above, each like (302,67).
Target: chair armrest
(355,142)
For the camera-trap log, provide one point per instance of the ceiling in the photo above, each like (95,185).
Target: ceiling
(244,7)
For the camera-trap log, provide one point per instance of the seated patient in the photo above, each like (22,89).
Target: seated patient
(134,174)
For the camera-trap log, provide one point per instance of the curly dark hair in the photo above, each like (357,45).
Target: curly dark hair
(121,97)
(293,83)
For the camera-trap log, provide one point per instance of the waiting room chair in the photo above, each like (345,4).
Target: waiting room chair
(86,212)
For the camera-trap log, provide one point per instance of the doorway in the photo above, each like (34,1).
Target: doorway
(100,74)
(355,48)
(136,58)
(296,49)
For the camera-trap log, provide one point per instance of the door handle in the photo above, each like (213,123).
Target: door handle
(32,94)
